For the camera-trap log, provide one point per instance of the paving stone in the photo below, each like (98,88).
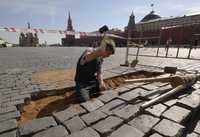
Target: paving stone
(74,124)
(121,90)
(197,127)
(170,102)
(107,108)
(156,110)
(69,113)
(159,84)
(169,128)
(131,86)
(144,122)
(108,96)
(108,125)
(165,88)
(8,125)
(131,95)
(36,125)
(197,91)
(93,117)
(127,111)
(92,105)
(149,87)
(9,134)
(192,135)
(58,131)
(177,114)
(9,115)
(127,131)
(156,135)
(12,103)
(149,94)
(87,132)
(7,109)
(191,102)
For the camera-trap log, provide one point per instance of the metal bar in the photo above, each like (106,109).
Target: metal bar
(163,96)
(167,52)
(177,53)
(189,52)
(157,52)
(127,49)
(163,56)
(138,50)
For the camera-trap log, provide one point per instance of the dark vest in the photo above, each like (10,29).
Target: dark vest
(86,73)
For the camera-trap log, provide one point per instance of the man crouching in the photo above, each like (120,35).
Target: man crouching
(88,76)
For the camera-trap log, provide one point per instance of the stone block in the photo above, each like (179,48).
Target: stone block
(127,111)
(131,86)
(149,87)
(108,96)
(93,117)
(36,125)
(177,114)
(8,125)
(127,131)
(121,90)
(69,113)
(108,125)
(156,110)
(58,131)
(170,102)
(169,128)
(197,127)
(9,115)
(87,132)
(144,122)
(12,103)
(191,102)
(92,105)
(8,109)
(75,124)
(149,94)
(107,108)
(131,95)
(192,135)
(159,84)
(9,134)
(156,135)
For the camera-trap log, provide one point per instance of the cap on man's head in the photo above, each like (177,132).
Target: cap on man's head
(103,29)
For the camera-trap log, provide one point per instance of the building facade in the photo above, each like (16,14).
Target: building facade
(89,41)
(157,30)
(28,39)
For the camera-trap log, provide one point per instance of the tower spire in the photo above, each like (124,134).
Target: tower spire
(131,23)
(69,23)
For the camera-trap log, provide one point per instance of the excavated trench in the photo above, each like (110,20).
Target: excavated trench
(43,104)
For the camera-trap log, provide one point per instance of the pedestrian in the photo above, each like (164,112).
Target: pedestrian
(88,78)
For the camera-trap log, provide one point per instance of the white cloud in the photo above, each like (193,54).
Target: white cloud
(193,11)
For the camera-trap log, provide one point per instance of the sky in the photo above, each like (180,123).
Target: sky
(87,15)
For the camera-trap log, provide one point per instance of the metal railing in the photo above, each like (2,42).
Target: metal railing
(178,52)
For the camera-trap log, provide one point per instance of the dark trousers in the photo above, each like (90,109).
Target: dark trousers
(85,90)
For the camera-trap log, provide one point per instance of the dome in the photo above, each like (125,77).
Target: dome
(150,16)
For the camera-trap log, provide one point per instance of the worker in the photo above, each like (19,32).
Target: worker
(88,78)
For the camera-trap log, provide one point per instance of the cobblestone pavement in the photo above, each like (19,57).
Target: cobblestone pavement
(111,114)
(37,59)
